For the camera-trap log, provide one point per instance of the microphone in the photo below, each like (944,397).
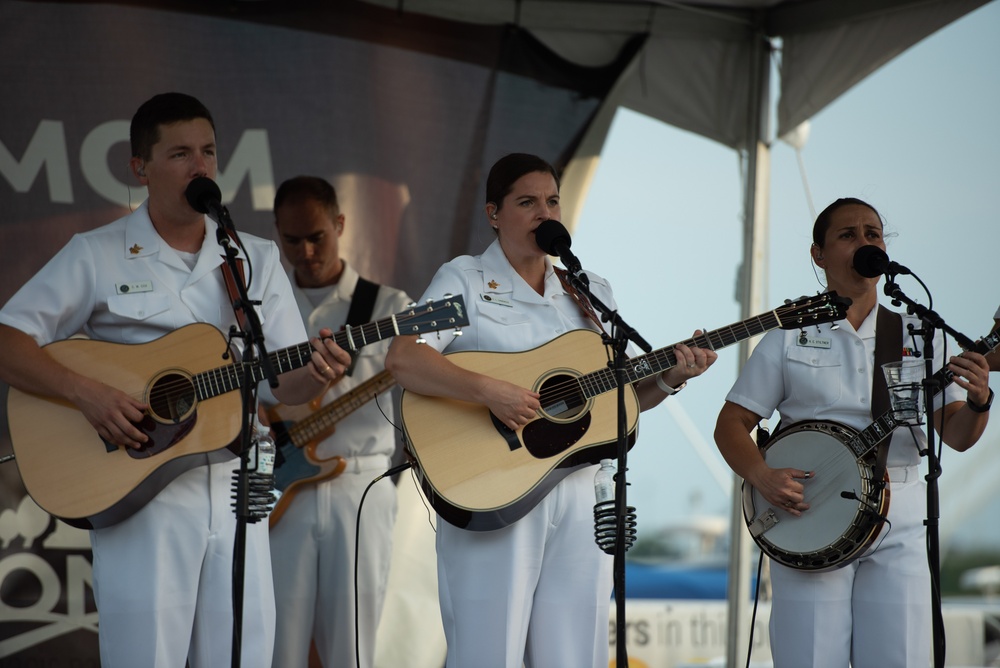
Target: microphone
(204,196)
(871,261)
(553,238)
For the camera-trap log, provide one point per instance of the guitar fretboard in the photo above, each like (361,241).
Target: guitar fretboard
(317,424)
(807,311)
(227,378)
(663,359)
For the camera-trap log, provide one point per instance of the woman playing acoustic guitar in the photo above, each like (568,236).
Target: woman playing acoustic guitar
(536,591)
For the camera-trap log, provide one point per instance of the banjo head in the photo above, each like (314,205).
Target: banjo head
(840,522)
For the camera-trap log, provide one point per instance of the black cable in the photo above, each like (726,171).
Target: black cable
(357,541)
(756,598)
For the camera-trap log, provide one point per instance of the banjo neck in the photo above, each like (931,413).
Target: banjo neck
(871,436)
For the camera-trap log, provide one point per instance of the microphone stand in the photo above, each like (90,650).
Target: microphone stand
(253,341)
(932,321)
(622,332)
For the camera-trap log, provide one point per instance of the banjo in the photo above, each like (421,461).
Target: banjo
(847,506)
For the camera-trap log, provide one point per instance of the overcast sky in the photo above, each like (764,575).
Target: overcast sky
(919,139)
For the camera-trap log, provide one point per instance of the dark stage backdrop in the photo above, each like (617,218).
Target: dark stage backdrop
(403,114)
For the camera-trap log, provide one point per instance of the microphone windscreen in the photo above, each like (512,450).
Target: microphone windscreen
(201,192)
(870,261)
(548,233)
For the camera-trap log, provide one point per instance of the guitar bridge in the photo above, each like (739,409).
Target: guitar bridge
(763,523)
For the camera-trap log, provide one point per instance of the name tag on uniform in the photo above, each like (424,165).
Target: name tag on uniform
(499,301)
(807,341)
(129,288)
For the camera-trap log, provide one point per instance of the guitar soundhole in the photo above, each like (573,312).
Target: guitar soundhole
(562,400)
(565,418)
(172,398)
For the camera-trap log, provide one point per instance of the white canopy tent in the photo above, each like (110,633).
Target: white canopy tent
(705,67)
(73,77)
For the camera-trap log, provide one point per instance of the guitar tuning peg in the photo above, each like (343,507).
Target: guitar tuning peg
(421,340)
(457,332)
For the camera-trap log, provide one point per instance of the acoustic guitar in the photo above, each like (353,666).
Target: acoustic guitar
(194,412)
(480,475)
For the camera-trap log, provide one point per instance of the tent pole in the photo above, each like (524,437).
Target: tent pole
(752,289)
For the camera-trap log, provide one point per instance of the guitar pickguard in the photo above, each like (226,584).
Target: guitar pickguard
(172,413)
(161,436)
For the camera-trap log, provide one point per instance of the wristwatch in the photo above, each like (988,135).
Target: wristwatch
(981,409)
(670,391)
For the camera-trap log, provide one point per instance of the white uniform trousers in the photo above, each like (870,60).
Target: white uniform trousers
(163,580)
(873,613)
(313,554)
(538,590)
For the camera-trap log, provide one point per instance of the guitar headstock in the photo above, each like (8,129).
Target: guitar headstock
(433,316)
(988,343)
(815,310)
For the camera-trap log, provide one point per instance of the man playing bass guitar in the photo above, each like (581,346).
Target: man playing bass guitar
(313,543)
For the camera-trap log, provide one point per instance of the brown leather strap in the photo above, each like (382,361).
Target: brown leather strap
(581,300)
(888,348)
(234,293)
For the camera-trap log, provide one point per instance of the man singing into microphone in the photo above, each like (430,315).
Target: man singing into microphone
(874,612)
(162,577)
(536,592)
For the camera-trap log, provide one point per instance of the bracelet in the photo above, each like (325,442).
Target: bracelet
(666,388)
(976,408)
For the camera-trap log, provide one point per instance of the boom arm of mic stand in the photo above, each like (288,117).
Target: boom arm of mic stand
(608,315)
(925,314)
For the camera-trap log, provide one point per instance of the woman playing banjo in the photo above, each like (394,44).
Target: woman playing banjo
(874,610)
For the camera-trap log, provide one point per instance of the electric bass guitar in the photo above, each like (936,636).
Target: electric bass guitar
(847,504)
(480,475)
(194,412)
(297,466)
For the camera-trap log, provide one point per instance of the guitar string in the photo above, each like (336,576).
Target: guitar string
(318,422)
(600,381)
(603,380)
(227,378)
(217,376)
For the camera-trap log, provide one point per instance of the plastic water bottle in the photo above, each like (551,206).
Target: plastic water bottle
(604,481)
(266,453)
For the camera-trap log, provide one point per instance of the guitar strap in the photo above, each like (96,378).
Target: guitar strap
(360,312)
(362,303)
(231,289)
(888,348)
(580,299)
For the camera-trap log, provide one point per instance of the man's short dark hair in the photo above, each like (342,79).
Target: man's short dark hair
(304,188)
(162,109)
